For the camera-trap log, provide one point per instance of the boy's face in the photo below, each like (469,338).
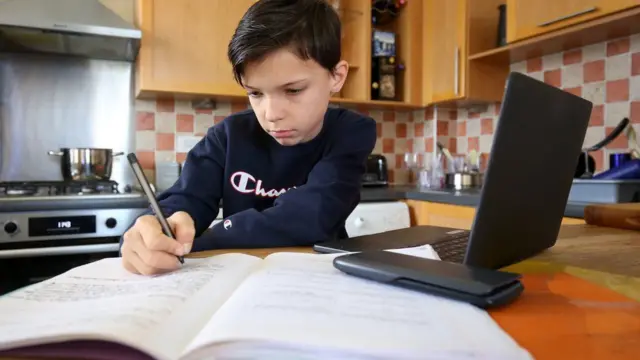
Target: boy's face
(290,95)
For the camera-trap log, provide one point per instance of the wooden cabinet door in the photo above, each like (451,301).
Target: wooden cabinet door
(184,46)
(444,50)
(526,18)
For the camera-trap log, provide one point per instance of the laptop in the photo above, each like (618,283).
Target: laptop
(538,137)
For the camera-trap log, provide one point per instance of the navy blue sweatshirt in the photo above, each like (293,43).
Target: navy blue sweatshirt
(272,195)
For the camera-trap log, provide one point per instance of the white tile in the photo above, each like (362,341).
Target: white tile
(428,128)
(401,146)
(377,149)
(376,115)
(594,92)
(538,75)
(418,145)
(520,67)
(146,140)
(463,145)
(485,143)
(165,156)
(473,127)
(165,122)
(402,116)
(223,108)
(572,76)
(202,123)
(145,105)
(594,135)
(635,43)
(552,61)
(634,87)
(617,67)
(184,143)
(419,115)
(388,129)
(150,174)
(614,112)
(391,161)
(463,114)
(184,107)
(594,52)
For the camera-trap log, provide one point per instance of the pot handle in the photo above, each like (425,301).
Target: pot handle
(55,153)
(119,153)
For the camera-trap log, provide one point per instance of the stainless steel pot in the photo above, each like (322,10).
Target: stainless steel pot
(85,163)
(464,180)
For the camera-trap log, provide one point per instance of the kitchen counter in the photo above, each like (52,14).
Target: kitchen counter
(452,197)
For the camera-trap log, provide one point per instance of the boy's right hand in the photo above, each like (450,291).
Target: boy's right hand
(147,250)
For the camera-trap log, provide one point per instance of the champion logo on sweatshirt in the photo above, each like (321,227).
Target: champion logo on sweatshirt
(246,183)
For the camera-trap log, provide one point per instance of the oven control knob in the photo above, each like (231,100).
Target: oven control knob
(10,227)
(111,223)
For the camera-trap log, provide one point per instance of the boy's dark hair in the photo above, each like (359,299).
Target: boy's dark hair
(311,28)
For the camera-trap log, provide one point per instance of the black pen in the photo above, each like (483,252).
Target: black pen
(144,183)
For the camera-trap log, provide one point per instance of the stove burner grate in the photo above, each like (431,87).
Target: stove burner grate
(53,188)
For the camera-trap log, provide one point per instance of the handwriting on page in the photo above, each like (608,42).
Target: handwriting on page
(290,294)
(103,297)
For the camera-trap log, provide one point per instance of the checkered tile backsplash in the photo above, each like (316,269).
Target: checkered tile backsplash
(607,73)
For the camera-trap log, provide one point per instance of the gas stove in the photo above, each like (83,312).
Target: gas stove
(43,218)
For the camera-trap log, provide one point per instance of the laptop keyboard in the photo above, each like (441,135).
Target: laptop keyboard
(452,247)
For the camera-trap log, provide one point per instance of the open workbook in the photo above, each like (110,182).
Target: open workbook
(236,306)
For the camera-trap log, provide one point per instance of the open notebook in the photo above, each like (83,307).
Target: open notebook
(236,306)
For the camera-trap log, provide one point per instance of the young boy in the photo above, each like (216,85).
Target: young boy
(288,171)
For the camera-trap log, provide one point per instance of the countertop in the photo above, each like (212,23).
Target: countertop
(464,198)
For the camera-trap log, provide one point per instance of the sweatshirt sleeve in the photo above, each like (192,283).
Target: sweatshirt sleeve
(310,213)
(198,191)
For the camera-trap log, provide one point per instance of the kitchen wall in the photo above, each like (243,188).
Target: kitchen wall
(607,73)
(167,129)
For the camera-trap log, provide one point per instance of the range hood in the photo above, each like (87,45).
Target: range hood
(84,28)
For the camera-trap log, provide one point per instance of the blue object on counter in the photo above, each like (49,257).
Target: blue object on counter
(618,159)
(628,171)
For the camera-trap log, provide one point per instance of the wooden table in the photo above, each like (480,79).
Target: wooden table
(581,299)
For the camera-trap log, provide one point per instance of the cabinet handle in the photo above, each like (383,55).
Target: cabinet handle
(456,71)
(569,16)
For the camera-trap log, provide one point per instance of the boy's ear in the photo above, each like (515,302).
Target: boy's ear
(339,76)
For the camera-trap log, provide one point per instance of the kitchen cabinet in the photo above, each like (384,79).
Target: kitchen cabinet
(184,47)
(454,216)
(528,18)
(452,30)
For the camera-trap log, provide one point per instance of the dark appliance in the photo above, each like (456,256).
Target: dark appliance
(376,171)
(48,227)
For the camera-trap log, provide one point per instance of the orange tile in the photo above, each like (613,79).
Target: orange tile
(474,115)
(597,116)
(218,119)
(635,112)
(165,141)
(401,130)
(618,143)
(453,145)
(204,111)
(617,90)
(238,106)
(473,143)
(165,105)
(453,115)
(184,123)
(410,145)
(181,157)
(145,120)
(486,126)
(618,46)
(379,130)
(593,71)
(461,128)
(399,161)
(410,116)
(553,77)
(428,145)
(635,64)
(390,176)
(388,146)
(443,128)
(147,159)
(418,130)
(598,157)
(534,65)
(575,90)
(498,108)
(572,57)
(388,116)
